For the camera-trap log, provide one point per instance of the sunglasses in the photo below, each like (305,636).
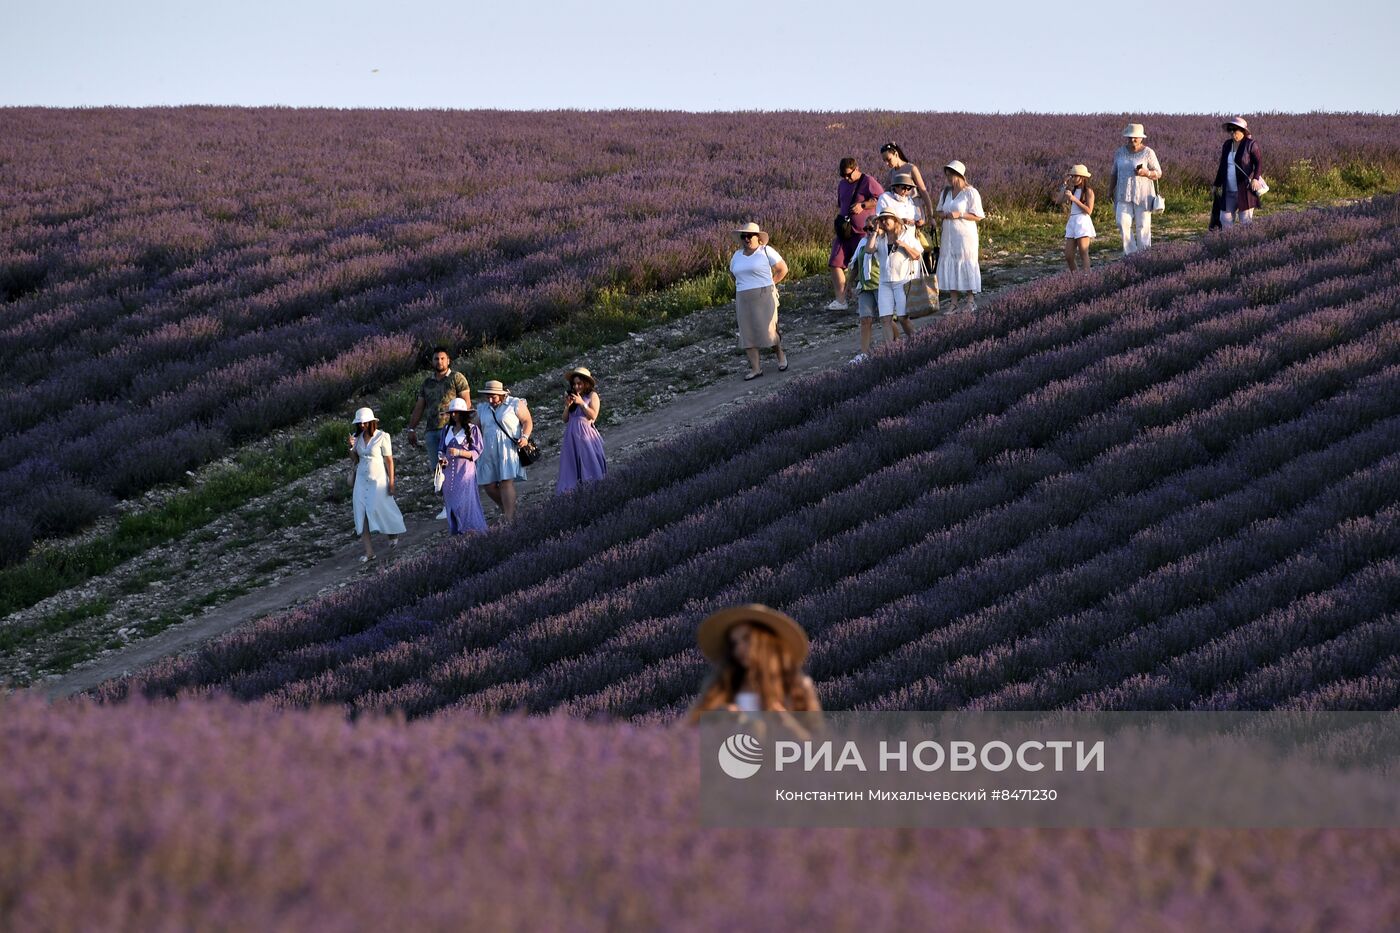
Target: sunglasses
(904,187)
(745,236)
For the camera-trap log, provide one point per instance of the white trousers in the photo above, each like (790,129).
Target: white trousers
(1229,216)
(892,300)
(1135,223)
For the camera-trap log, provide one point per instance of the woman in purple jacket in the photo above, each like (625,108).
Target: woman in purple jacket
(1240,168)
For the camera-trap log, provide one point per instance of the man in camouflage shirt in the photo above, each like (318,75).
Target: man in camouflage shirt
(434,395)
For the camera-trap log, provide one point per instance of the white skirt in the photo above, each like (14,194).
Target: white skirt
(1079,225)
(957,260)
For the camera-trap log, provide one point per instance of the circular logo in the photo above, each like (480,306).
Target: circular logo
(741,756)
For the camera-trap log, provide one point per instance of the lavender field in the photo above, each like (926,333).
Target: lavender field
(221,816)
(177,281)
(1171,484)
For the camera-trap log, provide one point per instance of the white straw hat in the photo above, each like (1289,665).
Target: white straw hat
(957,166)
(363,415)
(493,387)
(1080,169)
(1134,131)
(1236,123)
(458,404)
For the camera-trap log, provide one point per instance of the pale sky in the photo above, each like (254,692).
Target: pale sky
(1190,56)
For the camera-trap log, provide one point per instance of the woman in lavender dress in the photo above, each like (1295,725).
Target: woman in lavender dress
(457,452)
(581,456)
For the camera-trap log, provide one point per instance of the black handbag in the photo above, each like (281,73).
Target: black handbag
(529,453)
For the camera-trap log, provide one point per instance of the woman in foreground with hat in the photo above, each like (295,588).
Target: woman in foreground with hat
(757,269)
(373,482)
(1237,179)
(506,425)
(757,653)
(959,212)
(581,456)
(1134,184)
(1079,229)
(457,452)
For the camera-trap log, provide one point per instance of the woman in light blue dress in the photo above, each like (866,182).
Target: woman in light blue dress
(506,425)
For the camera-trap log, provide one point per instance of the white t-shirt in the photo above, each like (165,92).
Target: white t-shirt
(754,271)
(902,207)
(896,265)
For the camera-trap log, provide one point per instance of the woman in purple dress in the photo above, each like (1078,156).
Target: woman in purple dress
(581,453)
(457,453)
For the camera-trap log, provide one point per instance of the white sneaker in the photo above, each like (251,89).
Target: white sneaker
(838,304)
(859,358)
(443,513)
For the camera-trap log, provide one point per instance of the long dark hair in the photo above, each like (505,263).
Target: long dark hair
(367,428)
(894,147)
(465,421)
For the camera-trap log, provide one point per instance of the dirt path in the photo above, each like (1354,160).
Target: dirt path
(295,544)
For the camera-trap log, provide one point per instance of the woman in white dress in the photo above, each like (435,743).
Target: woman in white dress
(1079,229)
(959,211)
(375,510)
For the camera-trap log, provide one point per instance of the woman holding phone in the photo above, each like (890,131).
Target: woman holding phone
(1134,183)
(1079,229)
(581,458)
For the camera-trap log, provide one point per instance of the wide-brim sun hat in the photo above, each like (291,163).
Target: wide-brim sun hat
(458,404)
(580,371)
(363,416)
(903,178)
(713,635)
(1134,131)
(1080,170)
(1236,123)
(752,227)
(957,166)
(493,387)
(888,213)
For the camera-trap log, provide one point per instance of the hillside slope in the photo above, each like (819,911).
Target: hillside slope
(1172,483)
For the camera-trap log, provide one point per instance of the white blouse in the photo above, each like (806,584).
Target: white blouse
(1132,188)
(895,264)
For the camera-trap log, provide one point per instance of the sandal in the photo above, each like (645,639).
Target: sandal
(782,367)
(750,376)
(366,558)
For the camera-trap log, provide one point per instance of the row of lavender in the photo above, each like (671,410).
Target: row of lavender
(1168,483)
(175,281)
(159,822)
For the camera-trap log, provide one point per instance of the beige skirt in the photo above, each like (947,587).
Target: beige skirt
(757,309)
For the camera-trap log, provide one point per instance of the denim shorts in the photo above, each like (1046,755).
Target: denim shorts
(866,303)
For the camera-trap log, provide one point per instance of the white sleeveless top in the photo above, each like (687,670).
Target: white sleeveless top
(747,701)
